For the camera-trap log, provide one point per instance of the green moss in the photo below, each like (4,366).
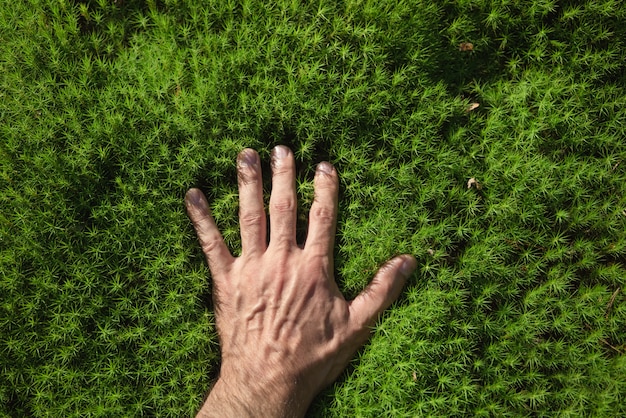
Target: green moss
(111,110)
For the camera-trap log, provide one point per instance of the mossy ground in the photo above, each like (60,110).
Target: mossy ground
(111,110)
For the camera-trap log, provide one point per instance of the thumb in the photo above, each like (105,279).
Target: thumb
(384,288)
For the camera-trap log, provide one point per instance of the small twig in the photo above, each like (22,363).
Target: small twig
(610,304)
(607,343)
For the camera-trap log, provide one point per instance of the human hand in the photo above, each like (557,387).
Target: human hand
(285,329)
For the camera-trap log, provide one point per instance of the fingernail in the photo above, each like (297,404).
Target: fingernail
(193,198)
(408,266)
(280,152)
(247,158)
(325,167)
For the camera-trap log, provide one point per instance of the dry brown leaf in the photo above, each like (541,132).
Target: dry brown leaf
(472,106)
(466,46)
(473,182)
(430,252)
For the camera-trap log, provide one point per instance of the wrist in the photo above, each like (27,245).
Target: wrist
(252,395)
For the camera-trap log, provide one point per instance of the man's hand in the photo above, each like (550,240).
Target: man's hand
(285,329)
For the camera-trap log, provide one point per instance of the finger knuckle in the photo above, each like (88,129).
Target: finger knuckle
(283,206)
(325,183)
(201,218)
(251,219)
(209,245)
(282,244)
(328,178)
(247,175)
(281,171)
(321,213)
(316,248)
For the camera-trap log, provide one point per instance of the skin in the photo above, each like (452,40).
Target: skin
(285,329)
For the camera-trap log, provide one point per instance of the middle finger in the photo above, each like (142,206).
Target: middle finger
(283,198)
(251,209)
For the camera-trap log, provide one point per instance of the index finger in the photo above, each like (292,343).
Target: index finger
(217,254)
